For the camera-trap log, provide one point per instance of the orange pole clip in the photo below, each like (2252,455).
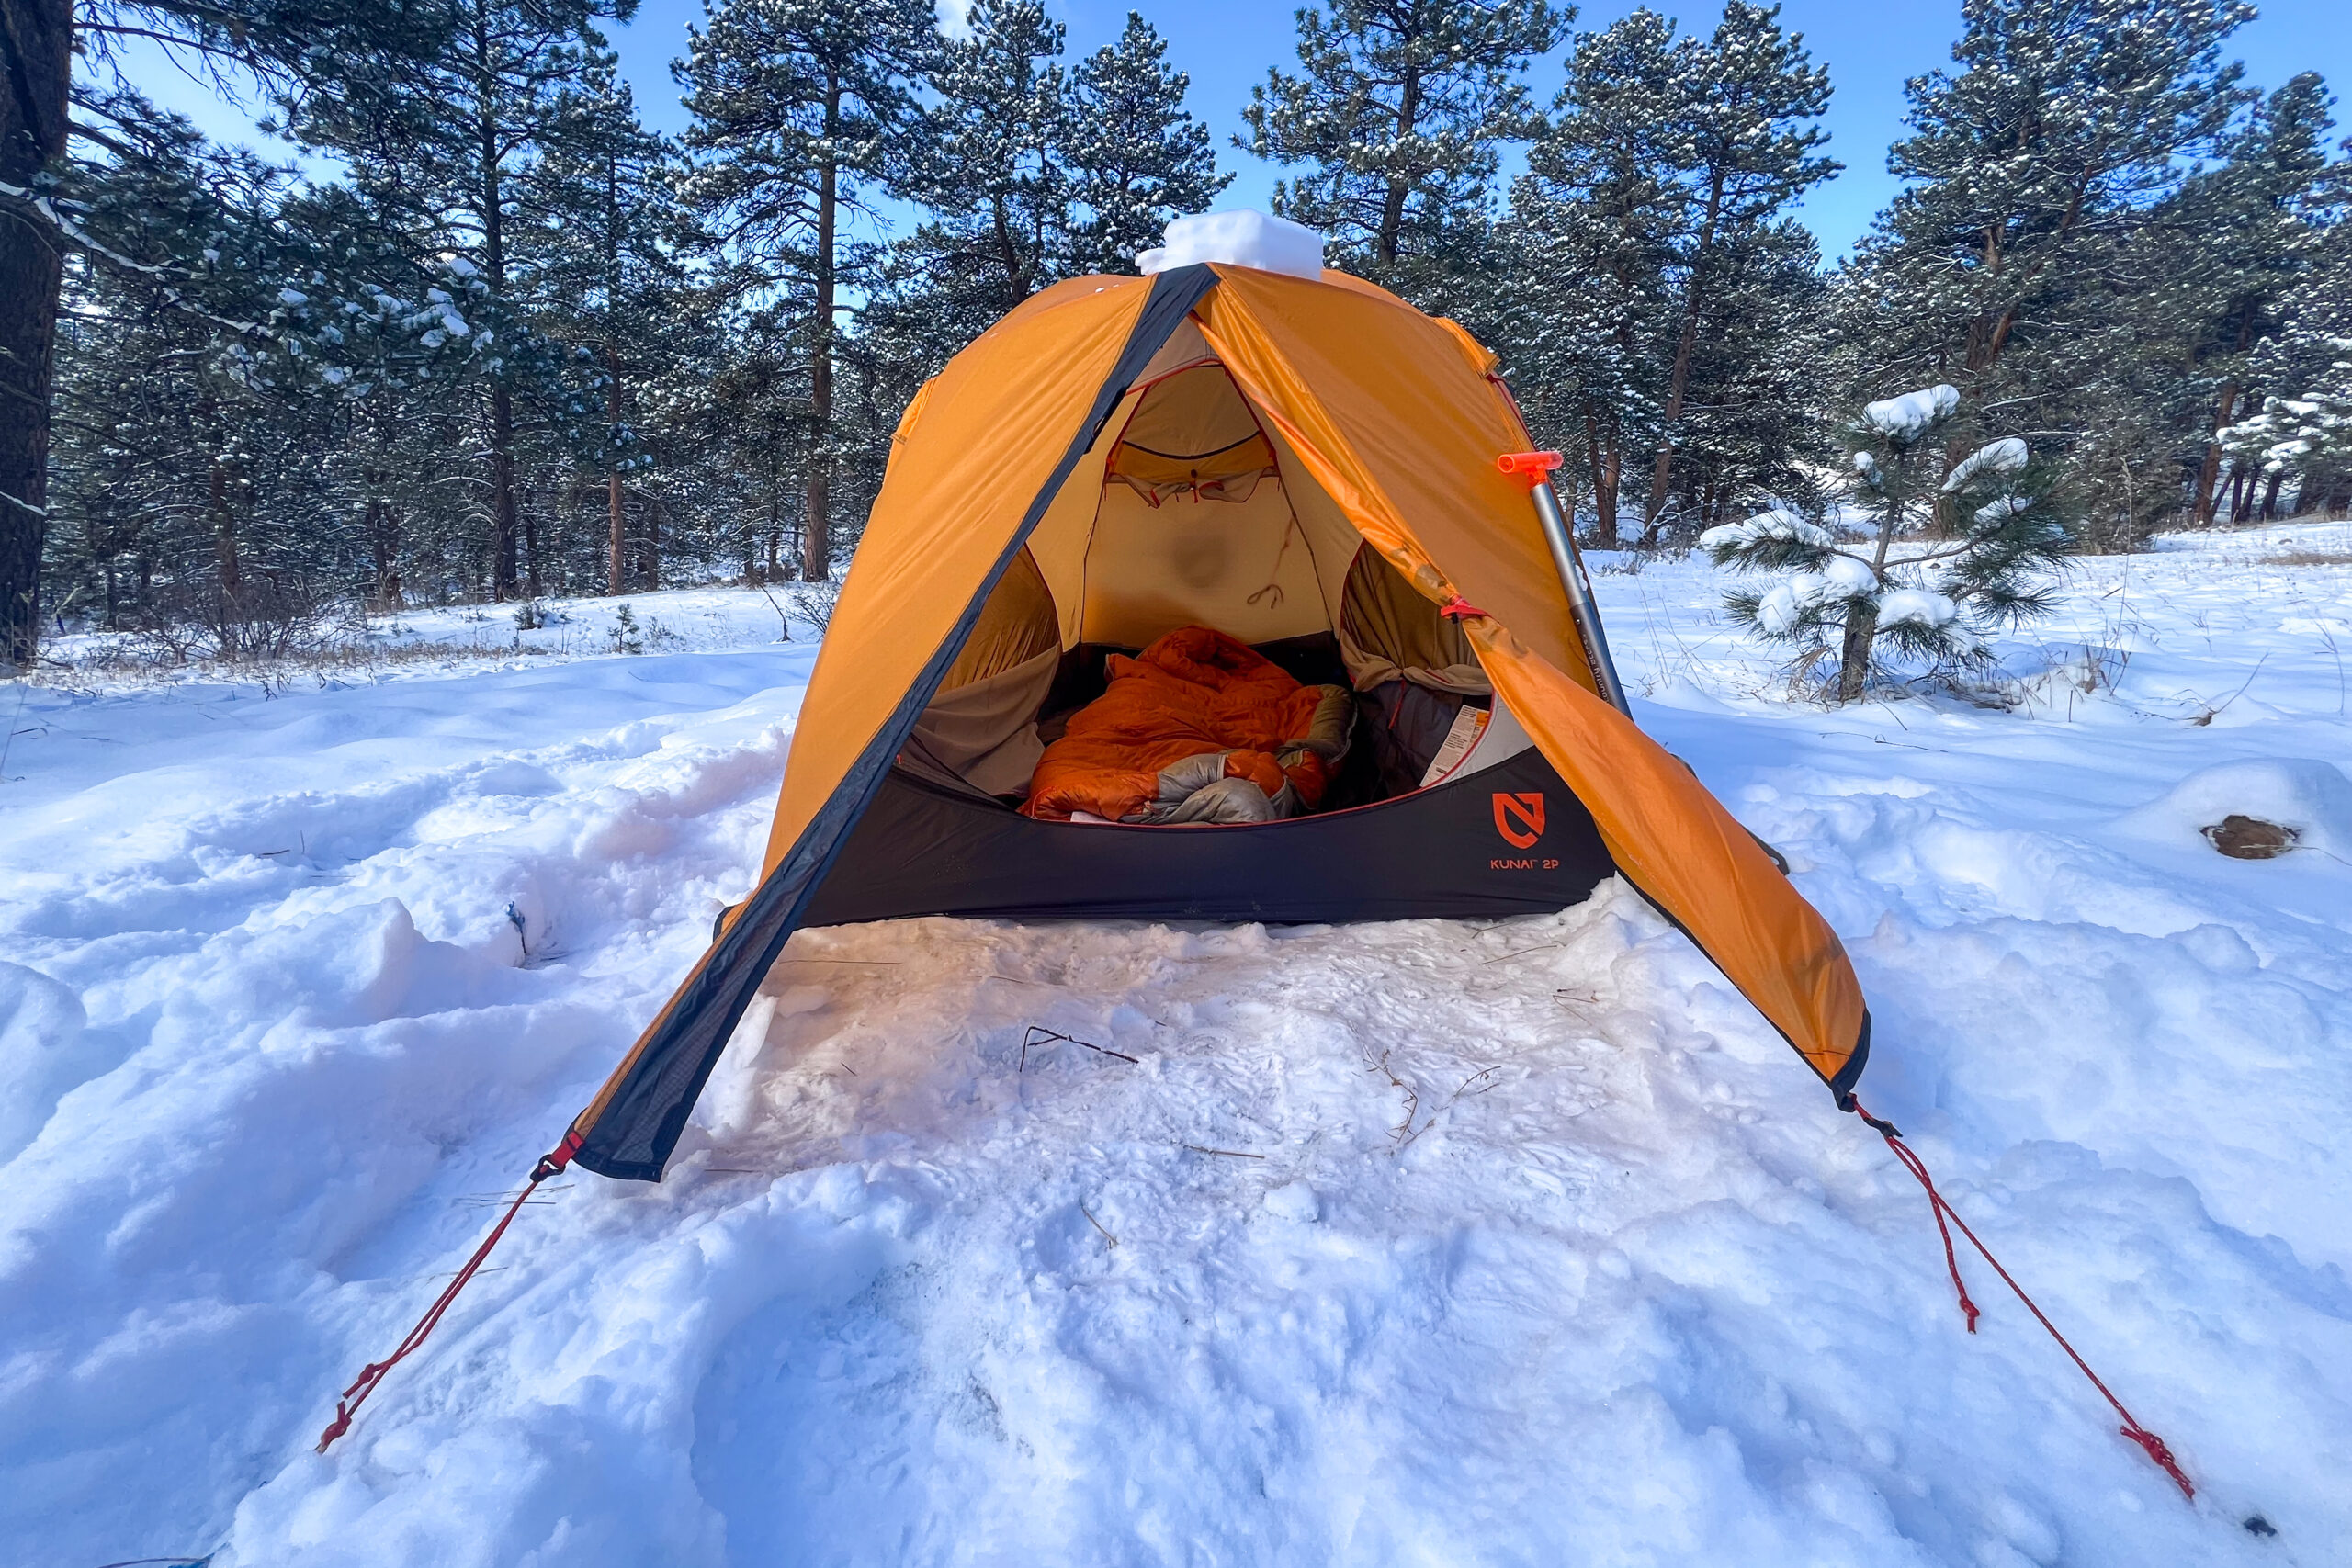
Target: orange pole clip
(1529,466)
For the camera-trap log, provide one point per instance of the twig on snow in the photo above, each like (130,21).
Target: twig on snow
(1040,1035)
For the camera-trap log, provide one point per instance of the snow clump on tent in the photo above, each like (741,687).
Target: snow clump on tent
(1246,238)
(1773,525)
(2005,457)
(1907,417)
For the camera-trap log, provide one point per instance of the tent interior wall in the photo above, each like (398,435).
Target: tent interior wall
(1187,511)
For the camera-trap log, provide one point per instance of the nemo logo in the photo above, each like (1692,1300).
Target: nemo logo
(1520,818)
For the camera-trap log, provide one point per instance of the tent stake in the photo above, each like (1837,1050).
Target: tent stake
(1536,467)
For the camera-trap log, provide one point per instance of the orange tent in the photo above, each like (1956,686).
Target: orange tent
(1298,464)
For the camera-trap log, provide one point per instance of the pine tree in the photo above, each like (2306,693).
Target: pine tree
(1141,158)
(2233,246)
(1925,603)
(312,49)
(1761,372)
(447,149)
(1034,174)
(613,255)
(229,310)
(803,111)
(2308,434)
(994,165)
(2026,169)
(1396,120)
(1745,144)
(1592,232)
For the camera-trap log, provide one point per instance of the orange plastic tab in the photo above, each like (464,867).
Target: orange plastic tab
(1529,466)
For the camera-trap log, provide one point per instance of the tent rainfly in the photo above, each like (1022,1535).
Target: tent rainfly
(1272,468)
(1302,464)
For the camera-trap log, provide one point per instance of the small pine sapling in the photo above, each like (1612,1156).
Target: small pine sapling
(2002,532)
(626,632)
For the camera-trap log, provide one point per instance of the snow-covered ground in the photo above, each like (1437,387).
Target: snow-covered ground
(1528,1243)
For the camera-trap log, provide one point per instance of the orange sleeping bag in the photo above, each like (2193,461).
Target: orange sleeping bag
(1194,695)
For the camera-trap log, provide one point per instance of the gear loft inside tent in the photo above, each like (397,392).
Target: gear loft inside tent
(1246,559)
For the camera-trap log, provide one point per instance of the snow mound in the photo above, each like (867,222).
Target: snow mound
(2007,456)
(1907,417)
(1246,238)
(2312,797)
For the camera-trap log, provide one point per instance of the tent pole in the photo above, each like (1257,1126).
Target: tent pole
(1536,469)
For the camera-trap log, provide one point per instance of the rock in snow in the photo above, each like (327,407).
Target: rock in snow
(1596,1274)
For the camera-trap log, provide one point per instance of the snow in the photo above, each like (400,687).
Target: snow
(1550,1252)
(2000,508)
(1905,419)
(1841,578)
(2003,458)
(1916,604)
(1243,238)
(1772,524)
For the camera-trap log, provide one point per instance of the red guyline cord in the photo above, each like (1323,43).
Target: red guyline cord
(371,1375)
(2149,1442)
(373,1372)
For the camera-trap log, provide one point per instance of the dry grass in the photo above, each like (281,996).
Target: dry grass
(2310,557)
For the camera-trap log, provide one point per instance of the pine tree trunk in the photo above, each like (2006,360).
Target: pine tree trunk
(1392,206)
(37,36)
(2270,496)
(2209,472)
(1662,473)
(1854,657)
(505,579)
(816,548)
(774,534)
(503,513)
(1605,461)
(616,514)
(224,527)
(384,546)
(652,544)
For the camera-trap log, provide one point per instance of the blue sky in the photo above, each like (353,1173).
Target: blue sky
(1870,46)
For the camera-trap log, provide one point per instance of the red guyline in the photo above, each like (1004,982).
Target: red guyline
(2149,1442)
(373,1372)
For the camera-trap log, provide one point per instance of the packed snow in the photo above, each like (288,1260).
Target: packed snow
(1517,1242)
(1906,418)
(1244,237)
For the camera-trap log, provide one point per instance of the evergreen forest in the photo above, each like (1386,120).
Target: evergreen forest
(502,340)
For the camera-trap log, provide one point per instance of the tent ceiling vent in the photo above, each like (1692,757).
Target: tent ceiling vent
(1246,238)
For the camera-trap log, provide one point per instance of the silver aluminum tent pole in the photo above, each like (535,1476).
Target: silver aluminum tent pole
(1536,469)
